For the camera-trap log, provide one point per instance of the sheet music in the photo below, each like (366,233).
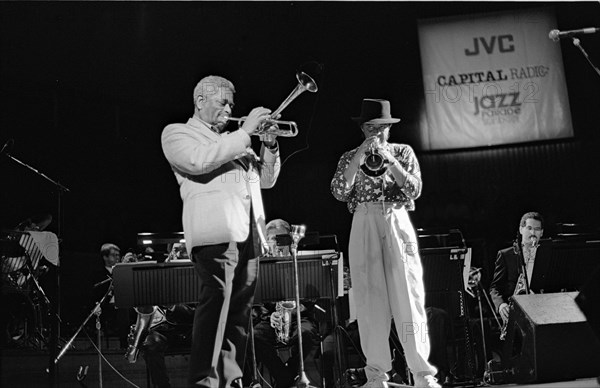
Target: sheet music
(39,245)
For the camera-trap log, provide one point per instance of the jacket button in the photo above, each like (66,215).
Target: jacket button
(247,196)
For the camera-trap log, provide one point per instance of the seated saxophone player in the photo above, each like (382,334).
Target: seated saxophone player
(275,323)
(510,279)
(159,329)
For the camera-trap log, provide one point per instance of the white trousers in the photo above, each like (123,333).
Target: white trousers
(387,281)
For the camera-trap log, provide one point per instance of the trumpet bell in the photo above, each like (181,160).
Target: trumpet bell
(373,160)
(272,126)
(374,164)
(307,81)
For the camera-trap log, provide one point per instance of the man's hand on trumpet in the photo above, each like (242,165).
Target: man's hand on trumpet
(270,140)
(368,144)
(255,118)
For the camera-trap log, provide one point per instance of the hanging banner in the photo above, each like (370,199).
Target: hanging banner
(492,79)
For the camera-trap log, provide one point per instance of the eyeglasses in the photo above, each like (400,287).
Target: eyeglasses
(535,229)
(376,127)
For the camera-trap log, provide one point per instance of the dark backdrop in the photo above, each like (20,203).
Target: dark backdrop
(86,89)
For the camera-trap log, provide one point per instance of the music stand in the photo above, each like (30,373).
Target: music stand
(563,265)
(446,264)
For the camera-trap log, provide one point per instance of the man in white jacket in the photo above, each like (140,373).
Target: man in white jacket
(220,179)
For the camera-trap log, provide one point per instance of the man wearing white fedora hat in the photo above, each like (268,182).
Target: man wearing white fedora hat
(380,182)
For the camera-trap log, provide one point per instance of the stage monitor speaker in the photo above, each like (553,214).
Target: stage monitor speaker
(556,342)
(588,301)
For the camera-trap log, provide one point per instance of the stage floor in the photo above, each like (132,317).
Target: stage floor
(579,383)
(21,368)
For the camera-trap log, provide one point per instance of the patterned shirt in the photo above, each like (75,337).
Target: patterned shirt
(383,188)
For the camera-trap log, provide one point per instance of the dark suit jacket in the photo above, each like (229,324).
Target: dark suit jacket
(506,274)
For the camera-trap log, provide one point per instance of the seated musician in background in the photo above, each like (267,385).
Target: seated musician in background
(37,223)
(508,277)
(114,322)
(271,327)
(28,252)
(171,328)
(18,269)
(161,328)
(18,265)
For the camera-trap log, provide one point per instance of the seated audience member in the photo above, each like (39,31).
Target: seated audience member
(268,322)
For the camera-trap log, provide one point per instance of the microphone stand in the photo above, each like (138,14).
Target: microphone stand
(298,232)
(95,311)
(255,382)
(54,322)
(44,299)
(475,282)
(577,44)
(339,367)
(523,268)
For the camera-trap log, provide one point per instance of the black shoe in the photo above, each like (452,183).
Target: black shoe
(237,383)
(356,377)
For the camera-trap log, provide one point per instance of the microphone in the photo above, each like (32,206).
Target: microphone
(7,146)
(534,241)
(555,35)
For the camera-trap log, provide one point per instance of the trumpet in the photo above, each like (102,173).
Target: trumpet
(271,125)
(373,160)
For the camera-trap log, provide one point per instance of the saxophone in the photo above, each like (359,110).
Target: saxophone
(142,324)
(283,309)
(521,287)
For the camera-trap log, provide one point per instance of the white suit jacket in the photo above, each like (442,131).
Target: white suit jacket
(216,191)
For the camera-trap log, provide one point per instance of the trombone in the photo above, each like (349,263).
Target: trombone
(271,126)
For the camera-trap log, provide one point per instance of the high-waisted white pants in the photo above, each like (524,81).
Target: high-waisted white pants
(387,281)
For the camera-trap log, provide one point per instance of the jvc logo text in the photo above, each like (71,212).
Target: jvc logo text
(505,44)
